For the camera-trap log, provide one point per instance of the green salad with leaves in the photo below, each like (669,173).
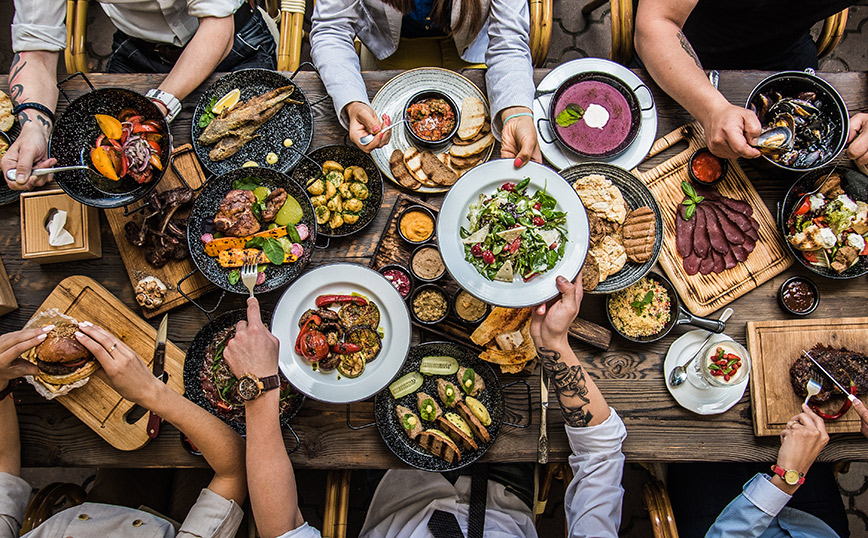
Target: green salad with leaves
(514,233)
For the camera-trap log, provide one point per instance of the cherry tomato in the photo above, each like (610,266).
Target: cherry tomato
(537,206)
(804,208)
(488,257)
(314,346)
(476,250)
(538,221)
(509,187)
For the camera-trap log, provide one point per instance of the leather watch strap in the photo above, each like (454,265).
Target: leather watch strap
(270,382)
(8,390)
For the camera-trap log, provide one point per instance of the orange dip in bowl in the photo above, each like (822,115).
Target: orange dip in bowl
(416,226)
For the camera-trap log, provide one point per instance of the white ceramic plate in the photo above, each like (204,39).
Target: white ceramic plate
(485,179)
(711,401)
(393,96)
(342,278)
(561,157)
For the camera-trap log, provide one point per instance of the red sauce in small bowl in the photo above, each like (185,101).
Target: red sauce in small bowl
(706,167)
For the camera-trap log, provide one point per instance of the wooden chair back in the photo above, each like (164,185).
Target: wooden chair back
(659,510)
(48,501)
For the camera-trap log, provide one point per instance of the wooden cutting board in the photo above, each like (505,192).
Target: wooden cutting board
(704,294)
(774,346)
(134,257)
(96,403)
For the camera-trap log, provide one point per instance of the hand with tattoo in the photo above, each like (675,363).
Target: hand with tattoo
(29,151)
(549,322)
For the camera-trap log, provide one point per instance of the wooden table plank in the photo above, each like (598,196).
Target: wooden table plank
(629,375)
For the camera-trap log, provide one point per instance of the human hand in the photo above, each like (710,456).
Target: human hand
(857,139)
(519,139)
(29,151)
(12,345)
(127,373)
(549,322)
(253,349)
(802,440)
(731,130)
(364,121)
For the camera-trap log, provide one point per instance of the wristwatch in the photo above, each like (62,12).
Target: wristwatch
(251,387)
(790,476)
(167,100)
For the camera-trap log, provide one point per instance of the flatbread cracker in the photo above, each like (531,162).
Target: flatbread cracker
(500,320)
(6,117)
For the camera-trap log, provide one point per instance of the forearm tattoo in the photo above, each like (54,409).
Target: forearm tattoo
(570,386)
(688,48)
(16,89)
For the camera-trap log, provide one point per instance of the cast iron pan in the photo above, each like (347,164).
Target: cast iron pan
(636,194)
(77,130)
(346,156)
(196,357)
(205,207)
(678,315)
(621,87)
(292,121)
(411,452)
(855,185)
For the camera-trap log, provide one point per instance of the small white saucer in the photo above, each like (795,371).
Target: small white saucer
(710,401)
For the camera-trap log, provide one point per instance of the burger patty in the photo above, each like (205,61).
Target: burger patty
(61,368)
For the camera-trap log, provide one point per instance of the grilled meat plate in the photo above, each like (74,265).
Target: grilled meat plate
(353,314)
(843,364)
(235,215)
(273,203)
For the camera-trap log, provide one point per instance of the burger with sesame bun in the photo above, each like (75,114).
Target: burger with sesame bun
(61,358)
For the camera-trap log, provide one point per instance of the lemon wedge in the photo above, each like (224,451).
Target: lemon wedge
(227,101)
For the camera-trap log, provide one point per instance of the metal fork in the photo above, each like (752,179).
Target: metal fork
(249,274)
(813,387)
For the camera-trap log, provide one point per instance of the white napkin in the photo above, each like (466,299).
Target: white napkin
(57,234)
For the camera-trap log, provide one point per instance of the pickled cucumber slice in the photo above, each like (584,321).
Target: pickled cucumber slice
(439,365)
(478,410)
(407,384)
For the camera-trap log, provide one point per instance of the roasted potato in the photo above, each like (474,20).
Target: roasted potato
(350,218)
(317,187)
(331,166)
(336,221)
(318,201)
(322,214)
(359,174)
(335,203)
(348,173)
(344,190)
(353,204)
(359,190)
(331,190)
(335,178)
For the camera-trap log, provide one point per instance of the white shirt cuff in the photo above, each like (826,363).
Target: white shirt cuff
(305,531)
(608,435)
(764,495)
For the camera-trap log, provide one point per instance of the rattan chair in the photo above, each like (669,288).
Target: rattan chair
(623,17)
(48,501)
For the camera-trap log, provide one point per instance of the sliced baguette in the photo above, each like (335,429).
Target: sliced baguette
(413,161)
(472,118)
(474,148)
(436,170)
(399,170)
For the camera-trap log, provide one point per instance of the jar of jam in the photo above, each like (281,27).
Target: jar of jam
(799,296)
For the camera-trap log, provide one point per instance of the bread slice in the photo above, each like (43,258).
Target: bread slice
(478,429)
(413,160)
(400,172)
(486,128)
(456,434)
(439,444)
(474,148)
(436,170)
(465,162)
(472,118)
(6,117)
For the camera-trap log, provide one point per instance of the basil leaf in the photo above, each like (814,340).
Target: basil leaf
(293,234)
(522,184)
(688,190)
(690,211)
(640,305)
(205,119)
(570,115)
(248,183)
(234,276)
(469,375)
(270,246)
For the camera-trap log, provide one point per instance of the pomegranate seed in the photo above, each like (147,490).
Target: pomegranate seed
(488,257)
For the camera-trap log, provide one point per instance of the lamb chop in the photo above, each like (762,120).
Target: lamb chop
(273,203)
(163,236)
(235,215)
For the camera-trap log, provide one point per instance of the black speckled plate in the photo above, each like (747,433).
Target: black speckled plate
(636,194)
(850,180)
(195,359)
(294,122)
(74,135)
(411,452)
(205,207)
(345,156)
(7,195)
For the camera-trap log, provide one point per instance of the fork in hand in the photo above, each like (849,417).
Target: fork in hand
(249,274)
(813,387)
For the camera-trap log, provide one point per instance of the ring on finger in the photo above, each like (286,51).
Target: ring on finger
(113,347)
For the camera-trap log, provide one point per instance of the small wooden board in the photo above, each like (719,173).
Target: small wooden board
(774,346)
(96,403)
(134,257)
(704,294)
(392,249)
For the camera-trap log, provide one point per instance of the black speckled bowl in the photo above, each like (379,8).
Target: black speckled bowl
(345,156)
(195,359)
(294,122)
(205,207)
(411,452)
(77,130)
(7,195)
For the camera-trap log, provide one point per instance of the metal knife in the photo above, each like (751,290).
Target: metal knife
(159,366)
(542,452)
(850,397)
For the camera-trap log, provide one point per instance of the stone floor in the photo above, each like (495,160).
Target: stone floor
(573,37)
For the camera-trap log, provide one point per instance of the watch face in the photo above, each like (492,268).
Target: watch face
(791,477)
(248,388)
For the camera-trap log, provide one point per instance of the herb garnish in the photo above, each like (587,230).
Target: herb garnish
(206,118)
(692,200)
(570,115)
(272,248)
(640,305)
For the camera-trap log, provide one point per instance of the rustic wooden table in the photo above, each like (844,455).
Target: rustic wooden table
(630,376)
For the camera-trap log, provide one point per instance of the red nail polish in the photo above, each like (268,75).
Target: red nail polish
(518,162)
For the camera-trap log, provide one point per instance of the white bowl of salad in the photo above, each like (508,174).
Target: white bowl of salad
(506,233)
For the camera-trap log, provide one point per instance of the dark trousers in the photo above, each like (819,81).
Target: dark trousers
(700,491)
(253,46)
